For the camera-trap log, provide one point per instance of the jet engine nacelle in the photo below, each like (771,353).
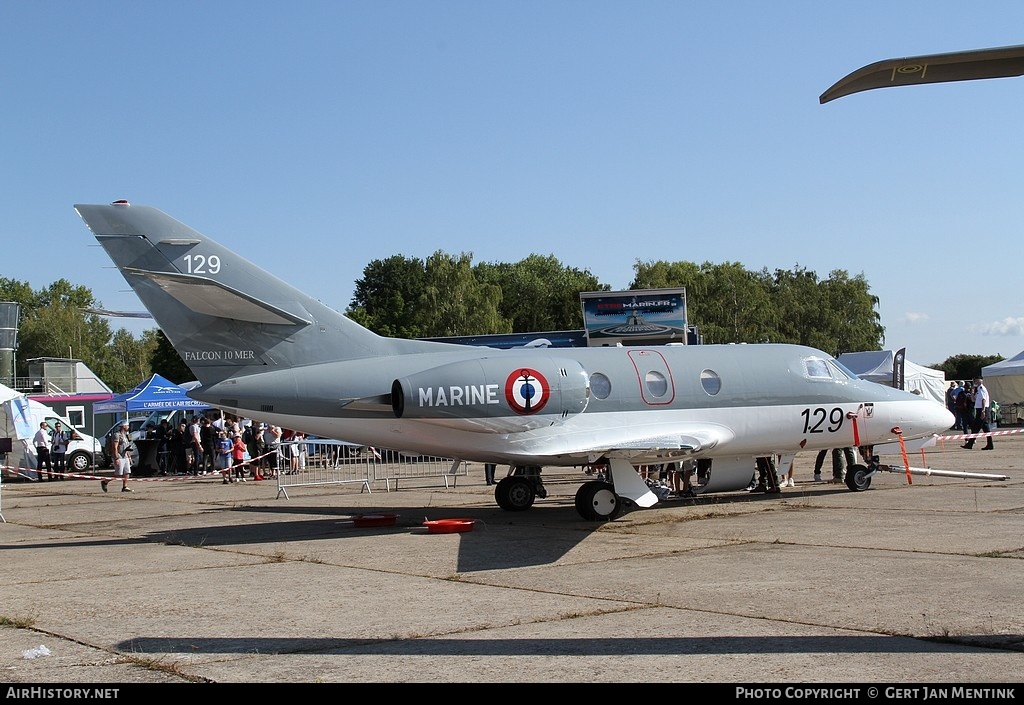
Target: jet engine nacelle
(500,394)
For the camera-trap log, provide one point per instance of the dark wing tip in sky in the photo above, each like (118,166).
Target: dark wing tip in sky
(1001,62)
(117,314)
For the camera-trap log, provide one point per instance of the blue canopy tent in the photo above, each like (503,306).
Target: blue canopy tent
(154,394)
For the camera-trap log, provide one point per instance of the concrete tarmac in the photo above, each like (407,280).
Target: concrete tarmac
(192,580)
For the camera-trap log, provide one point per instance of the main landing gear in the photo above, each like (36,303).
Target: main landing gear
(518,491)
(596,500)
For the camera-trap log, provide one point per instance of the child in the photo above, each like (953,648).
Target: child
(238,457)
(223,449)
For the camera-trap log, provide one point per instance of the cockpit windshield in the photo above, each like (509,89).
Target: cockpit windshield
(844,371)
(822,368)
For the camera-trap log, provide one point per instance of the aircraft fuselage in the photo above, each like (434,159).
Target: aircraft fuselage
(541,406)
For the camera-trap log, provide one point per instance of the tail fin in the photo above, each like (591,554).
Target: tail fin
(225,316)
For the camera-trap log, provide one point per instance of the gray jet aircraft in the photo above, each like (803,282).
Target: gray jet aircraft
(263,349)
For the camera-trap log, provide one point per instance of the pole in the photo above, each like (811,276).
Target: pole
(903,451)
(943,473)
(4,467)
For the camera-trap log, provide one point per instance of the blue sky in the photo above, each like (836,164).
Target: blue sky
(316,137)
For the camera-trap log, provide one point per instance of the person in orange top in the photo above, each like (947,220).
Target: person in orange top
(238,457)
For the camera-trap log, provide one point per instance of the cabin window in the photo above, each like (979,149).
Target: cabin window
(600,385)
(711,382)
(657,385)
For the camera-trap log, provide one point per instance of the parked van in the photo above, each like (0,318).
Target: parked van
(83,450)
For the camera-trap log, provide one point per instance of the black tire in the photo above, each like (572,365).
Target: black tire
(78,462)
(857,478)
(597,501)
(515,494)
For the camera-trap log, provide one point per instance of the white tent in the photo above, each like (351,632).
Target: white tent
(1005,380)
(19,420)
(876,366)
(16,424)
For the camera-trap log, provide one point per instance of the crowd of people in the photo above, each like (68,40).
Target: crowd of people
(239,449)
(675,479)
(973,409)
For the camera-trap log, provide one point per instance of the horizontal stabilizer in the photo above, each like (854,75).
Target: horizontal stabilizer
(212,298)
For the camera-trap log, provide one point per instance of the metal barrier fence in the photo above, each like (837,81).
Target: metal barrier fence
(328,462)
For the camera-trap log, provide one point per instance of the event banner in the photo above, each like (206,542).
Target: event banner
(654,316)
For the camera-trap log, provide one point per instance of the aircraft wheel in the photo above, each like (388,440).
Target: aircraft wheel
(514,494)
(857,478)
(597,501)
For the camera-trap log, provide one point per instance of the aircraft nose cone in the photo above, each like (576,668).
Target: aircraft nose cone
(936,420)
(922,418)
(948,419)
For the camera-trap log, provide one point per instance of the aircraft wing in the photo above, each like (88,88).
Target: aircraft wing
(1001,62)
(654,442)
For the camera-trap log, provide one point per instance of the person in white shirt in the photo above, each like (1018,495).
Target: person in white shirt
(981,404)
(272,438)
(42,443)
(196,443)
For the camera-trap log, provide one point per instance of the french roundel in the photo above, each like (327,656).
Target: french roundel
(527,391)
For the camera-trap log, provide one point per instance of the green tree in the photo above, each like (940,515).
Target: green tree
(669,275)
(836,315)
(796,296)
(126,362)
(387,297)
(455,303)
(410,298)
(56,322)
(730,304)
(738,305)
(853,321)
(965,367)
(164,360)
(539,293)
(18,292)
